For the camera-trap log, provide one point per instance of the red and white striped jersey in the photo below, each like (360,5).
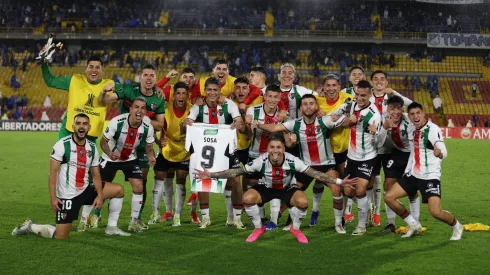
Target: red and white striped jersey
(292,99)
(363,145)
(381,102)
(277,177)
(221,114)
(76,161)
(398,134)
(314,139)
(260,138)
(422,163)
(124,139)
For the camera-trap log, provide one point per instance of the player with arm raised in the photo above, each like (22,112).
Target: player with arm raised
(122,137)
(173,157)
(361,155)
(213,113)
(70,186)
(315,150)
(395,127)
(155,110)
(381,95)
(277,169)
(423,174)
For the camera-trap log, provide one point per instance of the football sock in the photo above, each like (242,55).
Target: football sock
(168,194)
(157,195)
(86,210)
(415,207)
(115,206)
(363,210)
(377,195)
(299,215)
(204,209)
(317,196)
(390,215)
(253,213)
(348,205)
(338,209)
(229,204)
(262,212)
(179,197)
(409,219)
(370,194)
(275,205)
(43,230)
(136,205)
(143,201)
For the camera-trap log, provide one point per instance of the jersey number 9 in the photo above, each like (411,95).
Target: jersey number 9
(208,156)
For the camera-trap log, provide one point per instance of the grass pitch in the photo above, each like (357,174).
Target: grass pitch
(24,160)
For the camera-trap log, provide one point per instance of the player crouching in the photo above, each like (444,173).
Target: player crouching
(70,188)
(277,169)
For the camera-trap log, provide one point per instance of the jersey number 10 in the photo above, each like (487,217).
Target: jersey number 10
(208,156)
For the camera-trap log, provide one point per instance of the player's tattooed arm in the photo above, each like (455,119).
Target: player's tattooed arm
(323,177)
(230,173)
(150,153)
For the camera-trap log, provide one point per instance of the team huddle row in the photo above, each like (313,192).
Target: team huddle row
(286,137)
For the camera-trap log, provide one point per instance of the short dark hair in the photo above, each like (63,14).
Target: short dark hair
(95,58)
(414,105)
(211,80)
(395,101)
(379,72)
(261,70)
(307,96)
(356,67)
(188,70)
(149,67)
(180,85)
(331,77)
(273,88)
(241,80)
(220,61)
(81,115)
(277,137)
(364,84)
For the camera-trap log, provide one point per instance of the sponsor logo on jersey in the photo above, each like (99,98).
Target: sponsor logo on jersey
(210,132)
(81,152)
(221,112)
(140,136)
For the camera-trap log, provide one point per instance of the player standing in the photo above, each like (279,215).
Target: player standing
(213,113)
(423,174)
(291,94)
(356,74)
(277,169)
(124,134)
(70,186)
(258,77)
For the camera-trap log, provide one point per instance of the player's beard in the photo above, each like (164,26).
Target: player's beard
(80,136)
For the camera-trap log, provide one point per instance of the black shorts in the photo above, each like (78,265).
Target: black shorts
(306,180)
(340,157)
(254,175)
(163,165)
(71,207)
(396,164)
(242,156)
(427,188)
(268,194)
(381,161)
(131,169)
(359,169)
(234,161)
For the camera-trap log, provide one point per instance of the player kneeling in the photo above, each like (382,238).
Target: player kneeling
(71,160)
(277,181)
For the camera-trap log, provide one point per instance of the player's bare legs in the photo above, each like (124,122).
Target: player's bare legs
(391,199)
(444,216)
(136,224)
(359,194)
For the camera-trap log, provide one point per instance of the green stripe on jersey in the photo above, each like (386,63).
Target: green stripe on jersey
(297,125)
(262,170)
(226,114)
(426,140)
(298,100)
(200,116)
(365,126)
(66,158)
(326,135)
(118,133)
(292,166)
(256,117)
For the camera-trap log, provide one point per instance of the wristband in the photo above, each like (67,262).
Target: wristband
(338,181)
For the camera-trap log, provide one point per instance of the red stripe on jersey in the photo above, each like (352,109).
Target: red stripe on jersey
(206,185)
(353,131)
(378,101)
(285,100)
(129,144)
(213,115)
(81,166)
(395,136)
(312,144)
(264,139)
(416,146)
(277,178)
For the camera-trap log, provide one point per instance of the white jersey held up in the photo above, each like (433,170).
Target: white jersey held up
(362,145)
(76,161)
(423,164)
(277,177)
(211,146)
(124,139)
